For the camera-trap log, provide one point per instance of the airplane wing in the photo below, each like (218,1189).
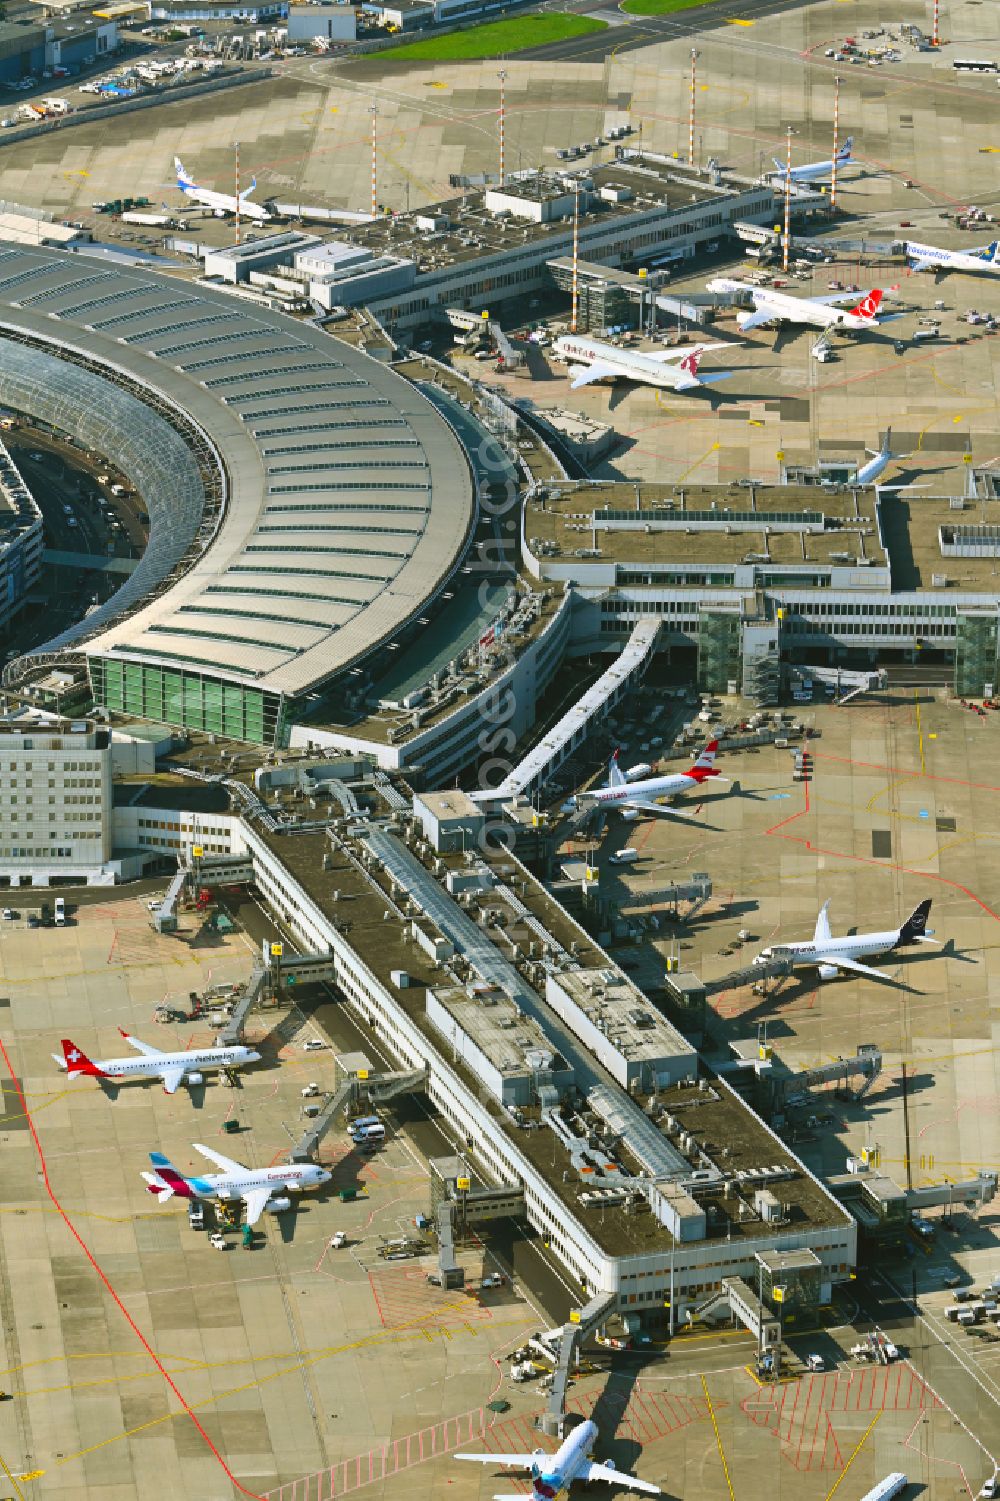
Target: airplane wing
(255,1199)
(754,320)
(583,375)
(852,966)
(658,810)
(145,1048)
(681,352)
(822,933)
(172,1077)
(591,1471)
(918,265)
(512,1461)
(226,1163)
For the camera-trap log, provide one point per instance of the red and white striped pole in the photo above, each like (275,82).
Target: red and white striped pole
(374,114)
(237,192)
(576,254)
(836,145)
(502,76)
(935,34)
(694,61)
(787,242)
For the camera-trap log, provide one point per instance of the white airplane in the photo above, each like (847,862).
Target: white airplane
(633,798)
(173,1068)
(812,170)
(830,955)
(930,258)
(553,1473)
(818,312)
(871,473)
(255,1186)
(675,369)
(221,203)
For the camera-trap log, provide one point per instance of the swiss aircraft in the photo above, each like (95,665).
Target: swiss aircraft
(930,258)
(673,369)
(831,955)
(259,1188)
(633,798)
(173,1069)
(810,171)
(221,203)
(551,1474)
(818,312)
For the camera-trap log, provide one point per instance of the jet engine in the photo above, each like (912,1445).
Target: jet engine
(194,1078)
(828,971)
(278,1205)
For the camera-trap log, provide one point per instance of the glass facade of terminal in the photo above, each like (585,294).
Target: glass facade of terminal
(189,699)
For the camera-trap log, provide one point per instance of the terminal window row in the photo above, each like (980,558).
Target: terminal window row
(349,552)
(213,339)
(272,372)
(56,852)
(233,359)
(339,444)
(325,466)
(283,569)
(116,296)
(355,525)
(321,427)
(353,485)
(175,327)
(322,599)
(62,290)
(144,312)
(229,613)
(297,389)
(303,406)
(184,630)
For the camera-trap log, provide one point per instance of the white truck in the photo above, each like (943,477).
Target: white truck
(150,221)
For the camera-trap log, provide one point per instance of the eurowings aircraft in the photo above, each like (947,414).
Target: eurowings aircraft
(551,1474)
(671,369)
(221,203)
(259,1188)
(831,955)
(173,1069)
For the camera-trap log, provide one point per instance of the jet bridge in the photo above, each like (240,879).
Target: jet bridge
(571,1337)
(745,1306)
(378,1089)
(866,1065)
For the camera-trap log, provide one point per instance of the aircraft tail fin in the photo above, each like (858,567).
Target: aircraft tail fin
(914,929)
(616,777)
(247,191)
(704,766)
(869,305)
(988,252)
(166,1181)
(184,179)
(846,149)
(75,1060)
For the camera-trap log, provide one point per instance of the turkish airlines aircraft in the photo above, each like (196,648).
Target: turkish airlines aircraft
(930,258)
(255,1186)
(812,170)
(221,203)
(673,369)
(633,798)
(831,955)
(551,1474)
(173,1068)
(818,312)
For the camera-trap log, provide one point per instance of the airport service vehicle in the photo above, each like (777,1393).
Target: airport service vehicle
(552,1474)
(60,912)
(221,203)
(675,369)
(830,955)
(887,1488)
(627,856)
(817,312)
(259,1188)
(633,798)
(811,171)
(338,1239)
(815,1363)
(931,258)
(173,1069)
(218,1241)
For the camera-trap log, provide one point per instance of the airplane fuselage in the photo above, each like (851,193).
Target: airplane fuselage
(651,787)
(805,310)
(191,1062)
(234,1186)
(627,364)
(932,258)
(858,946)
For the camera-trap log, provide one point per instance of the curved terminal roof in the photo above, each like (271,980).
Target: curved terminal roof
(350,498)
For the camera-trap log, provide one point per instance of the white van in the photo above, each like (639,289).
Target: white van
(364,1134)
(60,913)
(627,856)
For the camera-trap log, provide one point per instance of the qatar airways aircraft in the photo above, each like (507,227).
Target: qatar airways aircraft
(671,369)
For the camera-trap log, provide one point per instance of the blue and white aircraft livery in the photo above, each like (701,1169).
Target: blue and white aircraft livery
(930,258)
(551,1474)
(831,955)
(810,171)
(220,203)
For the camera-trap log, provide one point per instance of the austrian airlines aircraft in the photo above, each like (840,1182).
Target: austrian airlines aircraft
(173,1068)
(930,258)
(633,798)
(221,203)
(819,312)
(674,369)
(255,1186)
(830,955)
(551,1474)
(812,170)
